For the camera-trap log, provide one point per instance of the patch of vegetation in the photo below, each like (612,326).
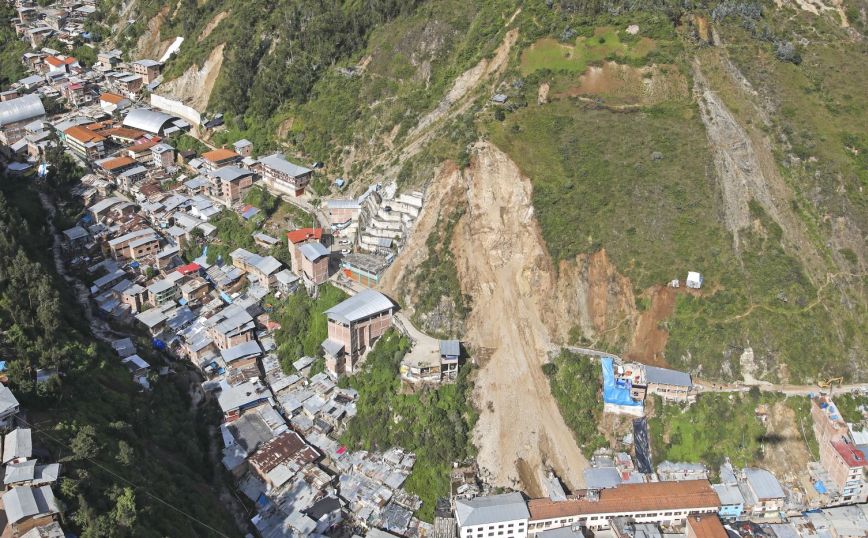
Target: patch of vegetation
(575,383)
(232,233)
(124,453)
(850,406)
(185,142)
(303,324)
(437,279)
(598,183)
(717,426)
(767,302)
(547,53)
(434,424)
(11,49)
(259,197)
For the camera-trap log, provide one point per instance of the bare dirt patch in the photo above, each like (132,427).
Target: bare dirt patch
(786,454)
(593,297)
(149,44)
(195,85)
(510,285)
(650,336)
(212,24)
(624,84)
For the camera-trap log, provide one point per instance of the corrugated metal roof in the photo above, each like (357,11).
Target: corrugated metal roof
(491,509)
(230,173)
(147,120)
(332,347)
(8,403)
(450,348)
(664,376)
(362,305)
(763,484)
(21,109)
(313,250)
(278,162)
(25,502)
(17,444)
(246,349)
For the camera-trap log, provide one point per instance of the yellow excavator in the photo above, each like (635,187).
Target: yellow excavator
(829,383)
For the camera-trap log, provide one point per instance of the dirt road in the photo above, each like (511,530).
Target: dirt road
(504,267)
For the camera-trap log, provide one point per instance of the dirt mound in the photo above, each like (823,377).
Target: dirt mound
(149,44)
(443,195)
(624,84)
(650,336)
(195,85)
(785,452)
(596,299)
(504,267)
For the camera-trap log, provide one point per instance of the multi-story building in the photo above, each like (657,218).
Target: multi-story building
(218,158)
(353,326)
(110,102)
(663,503)
(284,176)
(501,516)
(163,291)
(314,262)
(299,237)
(839,456)
(84,142)
(229,184)
(16,114)
(261,269)
(135,245)
(149,70)
(763,495)
(231,326)
(163,155)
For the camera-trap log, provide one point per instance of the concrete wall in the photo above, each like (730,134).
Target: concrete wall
(177,108)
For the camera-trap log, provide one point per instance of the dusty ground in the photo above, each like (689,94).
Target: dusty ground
(623,84)
(650,336)
(195,85)
(218,18)
(746,169)
(509,284)
(785,451)
(149,44)
(595,298)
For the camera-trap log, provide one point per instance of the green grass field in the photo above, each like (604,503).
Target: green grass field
(548,53)
(596,185)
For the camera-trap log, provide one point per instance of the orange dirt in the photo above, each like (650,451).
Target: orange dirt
(649,338)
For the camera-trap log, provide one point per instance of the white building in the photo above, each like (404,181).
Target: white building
(501,516)
(694,280)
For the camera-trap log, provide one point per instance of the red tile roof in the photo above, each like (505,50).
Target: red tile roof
(851,455)
(189,268)
(83,135)
(118,162)
(217,155)
(681,495)
(303,234)
(707,526)
(112,98)
(54,60)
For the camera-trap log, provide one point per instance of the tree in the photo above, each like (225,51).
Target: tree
(84,445)
(125,508)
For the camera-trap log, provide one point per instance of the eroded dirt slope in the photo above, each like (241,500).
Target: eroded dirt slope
(503,266)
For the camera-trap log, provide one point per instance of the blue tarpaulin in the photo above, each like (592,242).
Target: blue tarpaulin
(820,487)
(614,392)
(158,344)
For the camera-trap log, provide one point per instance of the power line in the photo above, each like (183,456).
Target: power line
(129,482)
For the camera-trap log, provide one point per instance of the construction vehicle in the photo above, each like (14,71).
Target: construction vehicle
(829,383)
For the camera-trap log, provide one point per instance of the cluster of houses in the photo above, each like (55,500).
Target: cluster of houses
(676,500)
(29,508)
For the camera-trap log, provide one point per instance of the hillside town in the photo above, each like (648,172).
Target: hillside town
(149,204)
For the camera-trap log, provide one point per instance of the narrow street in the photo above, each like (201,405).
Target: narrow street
(99,327)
